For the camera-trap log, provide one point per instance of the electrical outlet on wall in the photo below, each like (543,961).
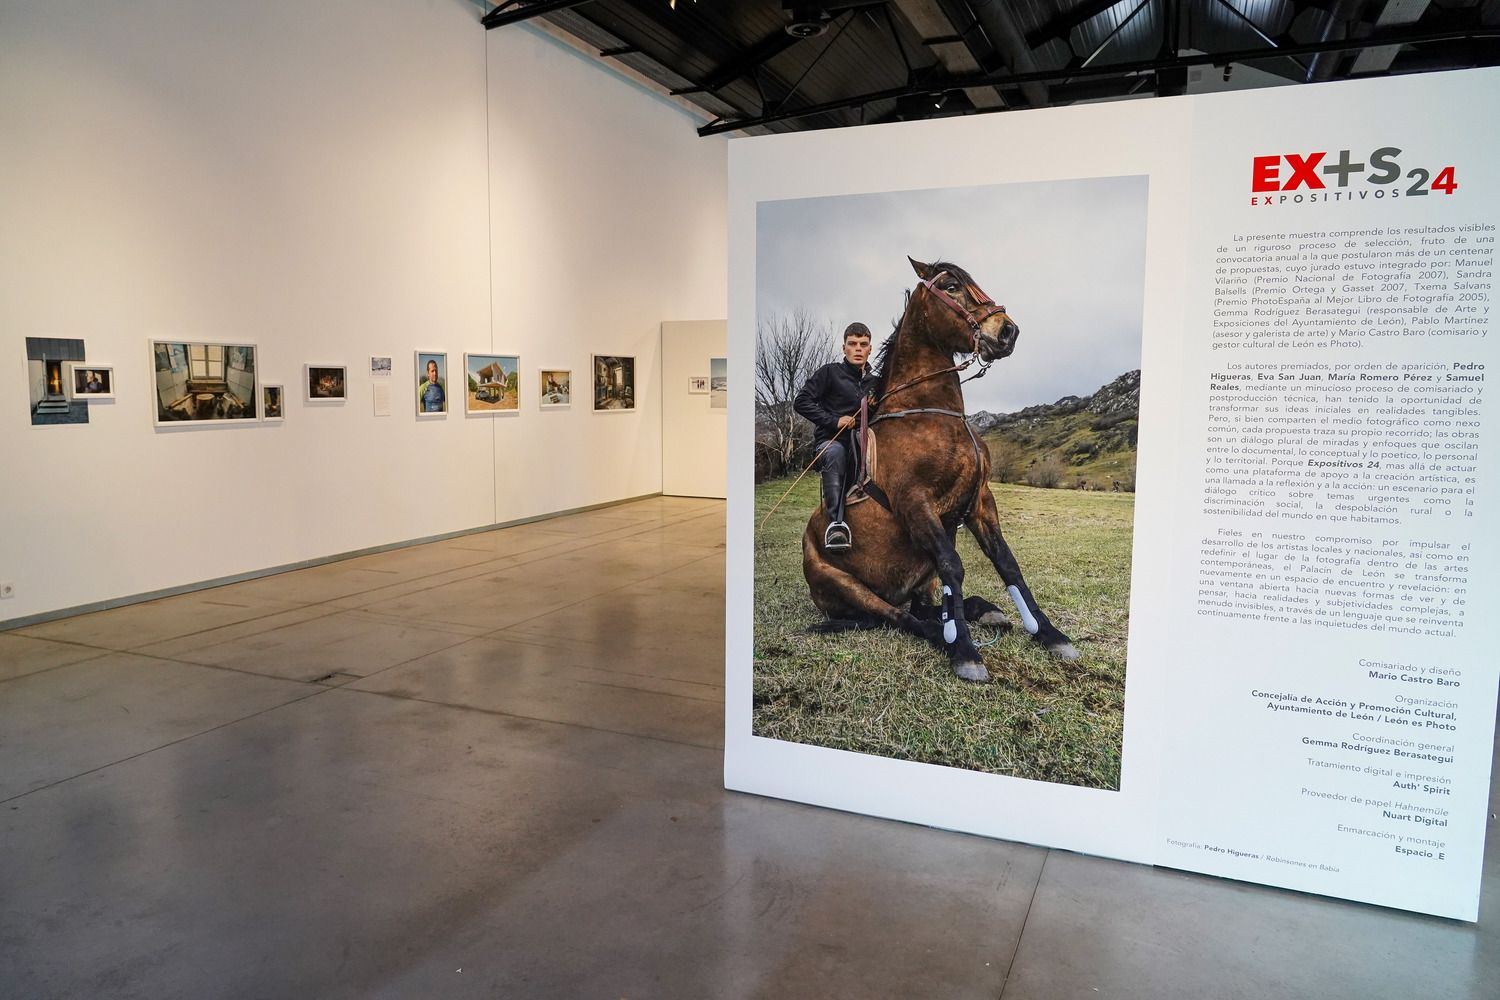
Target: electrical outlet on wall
(7,590)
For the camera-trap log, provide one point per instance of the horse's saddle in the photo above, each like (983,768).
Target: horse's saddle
(857,493)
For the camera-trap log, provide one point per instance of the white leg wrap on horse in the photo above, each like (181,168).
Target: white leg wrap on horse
(1027,621)
(950,627)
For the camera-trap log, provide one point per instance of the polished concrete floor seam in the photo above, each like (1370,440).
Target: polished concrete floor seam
(499,713)
(59,666)
(1025,920)
(458,640)
(163,746)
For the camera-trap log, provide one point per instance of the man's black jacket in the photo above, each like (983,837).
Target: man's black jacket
(833,391)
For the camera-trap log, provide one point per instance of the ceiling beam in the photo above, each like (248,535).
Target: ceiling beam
(514,12)
(1398,37)
(1062,25)
(1004,32)
(756,55)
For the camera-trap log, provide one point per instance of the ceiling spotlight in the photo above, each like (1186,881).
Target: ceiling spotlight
(806,21)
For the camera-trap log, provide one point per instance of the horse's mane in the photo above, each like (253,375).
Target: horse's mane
(889,347)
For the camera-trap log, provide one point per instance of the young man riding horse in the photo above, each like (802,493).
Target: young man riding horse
(830,401)
(933,479)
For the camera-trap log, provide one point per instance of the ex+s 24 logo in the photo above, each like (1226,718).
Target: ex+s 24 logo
(1308,177)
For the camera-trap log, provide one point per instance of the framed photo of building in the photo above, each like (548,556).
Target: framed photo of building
(196,382)
(556,388)
(432,384)
(326,383)
(614,382)
(47,379)
(492,383)
(90,382)
(272,403)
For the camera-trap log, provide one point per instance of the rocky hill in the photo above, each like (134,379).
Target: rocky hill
(1078,442)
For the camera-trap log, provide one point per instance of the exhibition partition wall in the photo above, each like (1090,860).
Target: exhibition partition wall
(1238,424)
(694,408)
(259,222)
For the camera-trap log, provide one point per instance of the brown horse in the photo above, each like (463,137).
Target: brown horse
(933,476)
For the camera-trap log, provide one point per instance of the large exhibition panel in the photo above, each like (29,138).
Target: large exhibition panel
(1240,451)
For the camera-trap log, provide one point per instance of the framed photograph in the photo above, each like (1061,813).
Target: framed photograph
(272,403)
(47,378)
(698,385)
(718,382)
(492,383)
(380,367)
(432,384)
(614,382)
(326,383)
(204,383)
(556,388)
(91,381)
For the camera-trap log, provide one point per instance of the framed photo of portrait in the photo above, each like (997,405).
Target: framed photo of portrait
(326,383)
(203,383)
(272,403)
(432,384)
(556,388)
(91,382)
(614,383)
(492,383)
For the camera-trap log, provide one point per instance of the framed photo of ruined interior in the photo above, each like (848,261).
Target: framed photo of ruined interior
(273,403)
(196,382)
(614,383)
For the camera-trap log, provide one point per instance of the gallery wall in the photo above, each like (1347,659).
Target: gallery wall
(694,435)
(329,182)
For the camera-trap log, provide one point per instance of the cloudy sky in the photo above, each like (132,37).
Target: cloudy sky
(1066,258)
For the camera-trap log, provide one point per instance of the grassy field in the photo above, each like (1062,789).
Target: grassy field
(886,693)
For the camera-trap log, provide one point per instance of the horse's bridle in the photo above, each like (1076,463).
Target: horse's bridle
(975,323)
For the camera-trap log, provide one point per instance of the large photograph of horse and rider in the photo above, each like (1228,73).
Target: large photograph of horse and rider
(957,590)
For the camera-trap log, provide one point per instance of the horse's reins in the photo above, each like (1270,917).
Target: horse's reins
(800,475)
(975,326)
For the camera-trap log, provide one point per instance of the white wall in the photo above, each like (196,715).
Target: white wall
(319,179)
(694,435)
(608,218)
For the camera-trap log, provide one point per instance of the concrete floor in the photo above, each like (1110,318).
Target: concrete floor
(491,767)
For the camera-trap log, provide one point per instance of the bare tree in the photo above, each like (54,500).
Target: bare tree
(1007,460)
(788,349)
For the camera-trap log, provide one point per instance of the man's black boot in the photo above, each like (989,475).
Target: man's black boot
(837,537)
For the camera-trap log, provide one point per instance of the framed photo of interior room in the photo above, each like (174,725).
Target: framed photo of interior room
(199,382)
(614,382)
(555,391)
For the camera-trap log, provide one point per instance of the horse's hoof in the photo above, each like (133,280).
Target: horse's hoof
(1065,651)
(971,672)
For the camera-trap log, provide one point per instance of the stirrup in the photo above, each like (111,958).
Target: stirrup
(837,537)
